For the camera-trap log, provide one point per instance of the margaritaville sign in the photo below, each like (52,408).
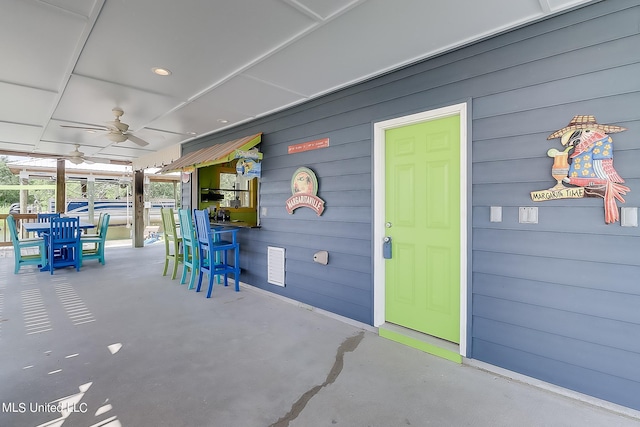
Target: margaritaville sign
(586,164)
(304,189)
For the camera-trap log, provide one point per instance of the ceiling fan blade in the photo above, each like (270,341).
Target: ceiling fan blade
(96,127)
(136,140)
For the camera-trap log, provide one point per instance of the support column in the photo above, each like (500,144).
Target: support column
(147,201)
(90,193)
(175,194)
(24,193)
(61,189)
(138,209)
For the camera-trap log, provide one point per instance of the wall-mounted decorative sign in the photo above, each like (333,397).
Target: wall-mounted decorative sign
(308,146)
(248,164)
(304,189)
(586,163)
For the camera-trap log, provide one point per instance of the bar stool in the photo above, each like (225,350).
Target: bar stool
(214,247)
(171,239)
(190,247)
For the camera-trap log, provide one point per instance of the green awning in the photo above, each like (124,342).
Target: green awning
(214,155)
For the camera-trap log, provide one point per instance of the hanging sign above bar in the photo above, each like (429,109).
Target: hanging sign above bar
(308,146)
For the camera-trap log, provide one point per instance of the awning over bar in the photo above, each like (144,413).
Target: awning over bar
(216,154)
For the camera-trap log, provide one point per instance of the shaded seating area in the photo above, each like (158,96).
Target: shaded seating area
(172,242)
(63,243)
(95,242)
(25,258)
(190,247)
(214,246)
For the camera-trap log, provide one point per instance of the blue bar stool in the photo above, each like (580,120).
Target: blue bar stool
(214,247)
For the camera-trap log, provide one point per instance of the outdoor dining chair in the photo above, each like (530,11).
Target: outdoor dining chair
(171,242)
(20,258)
(190,247)
(63,243)
(98,227)
(96,241)
(46,217)
(213,248)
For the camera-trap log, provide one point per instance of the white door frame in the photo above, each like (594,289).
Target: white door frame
(379,190)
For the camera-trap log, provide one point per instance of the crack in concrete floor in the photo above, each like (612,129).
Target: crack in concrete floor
(348,345)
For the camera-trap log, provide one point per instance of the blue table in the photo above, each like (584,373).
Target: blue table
(33,227)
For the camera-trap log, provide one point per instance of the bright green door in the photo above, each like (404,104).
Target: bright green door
(422,216)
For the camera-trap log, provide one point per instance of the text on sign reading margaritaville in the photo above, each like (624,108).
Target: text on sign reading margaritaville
(307,201)
(565,193)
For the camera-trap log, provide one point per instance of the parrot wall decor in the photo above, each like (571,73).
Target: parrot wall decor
(586,164)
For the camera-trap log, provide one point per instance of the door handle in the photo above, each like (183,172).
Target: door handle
(386,247)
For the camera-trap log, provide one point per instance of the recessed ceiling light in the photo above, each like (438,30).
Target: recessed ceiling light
(161,71)
(223,121)
(191,133)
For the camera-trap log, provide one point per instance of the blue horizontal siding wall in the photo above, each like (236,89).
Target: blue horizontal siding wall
(557,300)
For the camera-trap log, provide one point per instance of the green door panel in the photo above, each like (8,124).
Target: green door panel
(422,281)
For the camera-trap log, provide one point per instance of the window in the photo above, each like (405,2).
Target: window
(237,191)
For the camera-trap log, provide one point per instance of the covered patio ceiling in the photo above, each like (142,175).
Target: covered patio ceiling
(70,62)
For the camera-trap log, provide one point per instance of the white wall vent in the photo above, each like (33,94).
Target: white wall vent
(275,265)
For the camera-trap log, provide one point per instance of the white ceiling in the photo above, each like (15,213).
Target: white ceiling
(72,61)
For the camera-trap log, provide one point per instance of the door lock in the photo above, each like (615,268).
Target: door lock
(388,225)
(386,247)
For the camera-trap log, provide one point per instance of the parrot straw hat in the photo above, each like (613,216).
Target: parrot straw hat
(585,122)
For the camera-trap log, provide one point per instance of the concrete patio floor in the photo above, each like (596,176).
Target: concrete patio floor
(120,345)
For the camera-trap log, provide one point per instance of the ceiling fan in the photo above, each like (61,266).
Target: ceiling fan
(117,131)
(77,157)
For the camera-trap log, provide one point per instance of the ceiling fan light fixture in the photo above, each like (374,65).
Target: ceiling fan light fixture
(116,137)
(161,71)
(75,160)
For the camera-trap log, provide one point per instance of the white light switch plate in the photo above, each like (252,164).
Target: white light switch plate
(528,215)
(496,214)
(629,217)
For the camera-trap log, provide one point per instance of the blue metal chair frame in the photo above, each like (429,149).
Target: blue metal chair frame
(98,241)
(39,259)
(63,243)
(190,247)
(212,243)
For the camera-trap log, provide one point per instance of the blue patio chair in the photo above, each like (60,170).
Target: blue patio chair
(63,243)
(46,217)
(190,247)
(97,241)
(213,249)
(39,259)
(171,240)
